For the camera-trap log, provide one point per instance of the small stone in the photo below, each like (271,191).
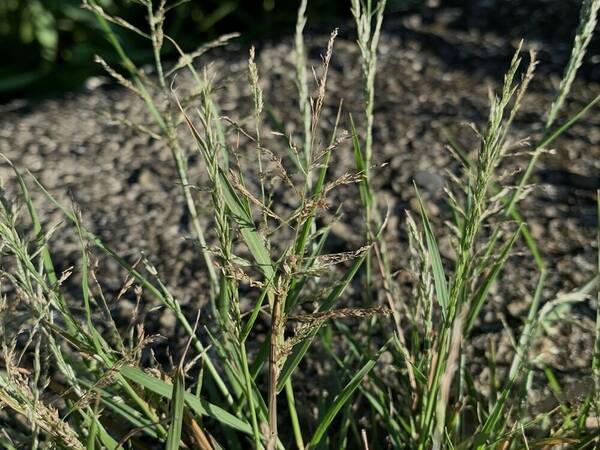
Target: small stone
(592,423)
(430,181)
(167,320)
(431,208)
(125,307)
(537,230)
(93,83)
(446,247)
(386,358)
(517,308)
(146,178)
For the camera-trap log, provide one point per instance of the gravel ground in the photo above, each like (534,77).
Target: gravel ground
(433,77)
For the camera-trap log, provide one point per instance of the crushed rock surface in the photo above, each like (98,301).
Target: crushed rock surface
(431,80)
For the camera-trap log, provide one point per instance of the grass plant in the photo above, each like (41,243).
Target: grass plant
(225,391)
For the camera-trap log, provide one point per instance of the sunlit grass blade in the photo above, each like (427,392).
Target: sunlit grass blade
(296,427)
(95,336)
(254,314)
(199,406)
(176,411)
(437,268)
(91,439)
(248,229)
(362,167)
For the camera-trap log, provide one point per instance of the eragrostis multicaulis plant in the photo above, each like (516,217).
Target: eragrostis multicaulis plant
(235,384)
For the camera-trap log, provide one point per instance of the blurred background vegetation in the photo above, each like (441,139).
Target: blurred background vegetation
(47,46)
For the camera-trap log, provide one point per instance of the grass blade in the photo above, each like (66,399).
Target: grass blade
(437,268)
(247,227)
(484,289)
(199,406)
(596,357)
(176,413)
(362,167)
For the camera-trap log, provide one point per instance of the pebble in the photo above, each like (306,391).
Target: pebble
(429,181)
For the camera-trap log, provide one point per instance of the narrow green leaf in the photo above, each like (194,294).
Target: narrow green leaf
(489,427)
(93,433)
(363,186)
(253,315)
(296,427)
(484,289)
(439,277)
(596,356)
(127,413)
(176,412)
(97,431)
(97,340)
(199,406)
(247,227)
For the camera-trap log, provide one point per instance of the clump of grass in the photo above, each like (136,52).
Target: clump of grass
(225,390)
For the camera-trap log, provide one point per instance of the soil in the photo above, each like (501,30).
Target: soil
(433,77)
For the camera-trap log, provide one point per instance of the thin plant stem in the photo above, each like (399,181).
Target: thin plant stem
(302,85)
